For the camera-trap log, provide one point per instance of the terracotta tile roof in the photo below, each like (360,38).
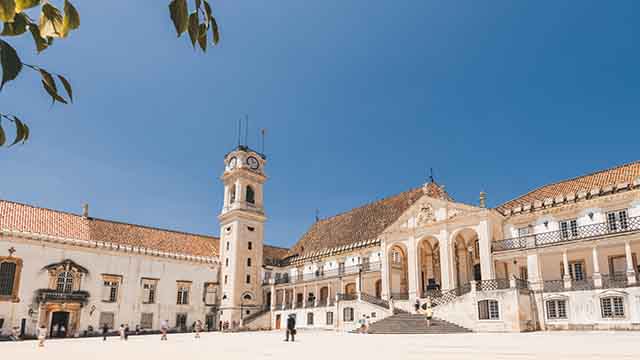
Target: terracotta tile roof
(613,176)
(27,218)
(363,223)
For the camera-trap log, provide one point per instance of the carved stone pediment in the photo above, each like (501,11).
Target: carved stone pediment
(426,215)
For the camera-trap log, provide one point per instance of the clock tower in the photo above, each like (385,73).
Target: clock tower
(241,234)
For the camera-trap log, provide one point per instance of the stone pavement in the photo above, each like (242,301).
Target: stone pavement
(330,345)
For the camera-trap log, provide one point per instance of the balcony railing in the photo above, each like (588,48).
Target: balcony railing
(347,297)
(333,273)
(494,284)
(45,295)
(631,224)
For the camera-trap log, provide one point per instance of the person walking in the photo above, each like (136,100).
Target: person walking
(164,326)
(105,331)
(361,322)
(198,327)
(417,305)
(42,335)
(121,331)
(126,332)
(291,328)
(428,313)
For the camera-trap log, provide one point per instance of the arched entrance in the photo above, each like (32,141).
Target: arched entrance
(466,257)
(398,272)
(429,274)
(379,288)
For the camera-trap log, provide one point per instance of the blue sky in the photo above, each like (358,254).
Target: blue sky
(359,99)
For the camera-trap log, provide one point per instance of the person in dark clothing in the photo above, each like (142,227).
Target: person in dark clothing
(291,328)
(126,332)
(105,331)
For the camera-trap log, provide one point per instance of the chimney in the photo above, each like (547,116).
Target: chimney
(483,199)
(85,210)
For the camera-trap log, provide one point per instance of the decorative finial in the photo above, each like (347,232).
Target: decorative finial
(12,250)
(483,199)
(85,210)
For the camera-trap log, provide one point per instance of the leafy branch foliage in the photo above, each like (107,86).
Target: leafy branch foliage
(54,23)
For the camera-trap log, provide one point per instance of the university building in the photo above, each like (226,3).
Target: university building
(563,256)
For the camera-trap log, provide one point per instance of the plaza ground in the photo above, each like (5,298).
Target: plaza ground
(328,345)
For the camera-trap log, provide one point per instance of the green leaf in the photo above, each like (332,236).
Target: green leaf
(41,43)
(193,27)
(71,20)
(11,64)
(50,21)
(26,4)
(17,27)
(215,31)
(179,15)
(19,131)
(3,137)
(202,38)
(67,86)
(7,10)
(54,95)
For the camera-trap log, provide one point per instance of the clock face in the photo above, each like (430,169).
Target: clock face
(253,163)
(233,162)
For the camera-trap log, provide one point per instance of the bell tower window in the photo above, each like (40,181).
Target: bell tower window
(251,195)
(232,195)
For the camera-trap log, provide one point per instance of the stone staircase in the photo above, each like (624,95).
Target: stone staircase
(404,323)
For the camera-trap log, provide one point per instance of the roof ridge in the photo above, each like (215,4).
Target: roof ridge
(569,179)
(108,220)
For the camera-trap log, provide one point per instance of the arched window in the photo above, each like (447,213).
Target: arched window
(65,282)
(251,195)
(247,297)
(232,194)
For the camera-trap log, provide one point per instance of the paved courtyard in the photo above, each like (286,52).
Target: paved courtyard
(332,345)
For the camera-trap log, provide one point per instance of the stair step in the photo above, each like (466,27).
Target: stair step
(405,323)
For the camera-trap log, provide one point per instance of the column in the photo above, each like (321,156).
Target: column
(412,269)
(445,261)
(534,272)
(304,296)
(384,273)
(484,238)
(329,294)
(567,276)
(359,283)
(293,298)
(597,278)
(512,273)
(316,297)
(631,273)
(273,295)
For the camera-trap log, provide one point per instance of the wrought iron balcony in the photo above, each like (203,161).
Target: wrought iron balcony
(328,274)
(549,238)
(46,295)
(494,284)
(347,297)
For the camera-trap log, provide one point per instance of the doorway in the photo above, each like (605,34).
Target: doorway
(59,324)
(278,319)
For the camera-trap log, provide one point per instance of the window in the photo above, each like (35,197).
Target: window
(341,267)
(149,291)
(476,249)
(183,293)
(396,258)
(226,277)
(146,321)
(524,273)
(310,318)
(227,245)
(247,297)
(249,245)
(348,314)
(7,278)
(524,231)
(488,310)
(210,294)
(106,318)
(248,261)
(251,228)
(569,229)
(556,309)
(576,270)
(110,291)
(618,220)
(64,282)
(181,321)
(248,279)
(232,194)
(612,307)
(329,317)
(251,196)
(226,262)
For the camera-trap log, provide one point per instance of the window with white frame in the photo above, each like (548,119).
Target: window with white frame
(618,220)
(329,317)
(488,310)
(110,290)
(64,282)
(146,321)
(348,314)
(577,270)
(569,228)
(183,293)
(612,307)
(149,287)
(556,309)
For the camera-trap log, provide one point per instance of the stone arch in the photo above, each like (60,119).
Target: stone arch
(350,288)
(429,273)
(250,195)
(398,271)
(465,257)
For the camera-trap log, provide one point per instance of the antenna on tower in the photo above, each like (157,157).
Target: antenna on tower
(263,132)
(239,131)
(246,130)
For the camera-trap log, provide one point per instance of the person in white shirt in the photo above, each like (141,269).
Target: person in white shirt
(42,335)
